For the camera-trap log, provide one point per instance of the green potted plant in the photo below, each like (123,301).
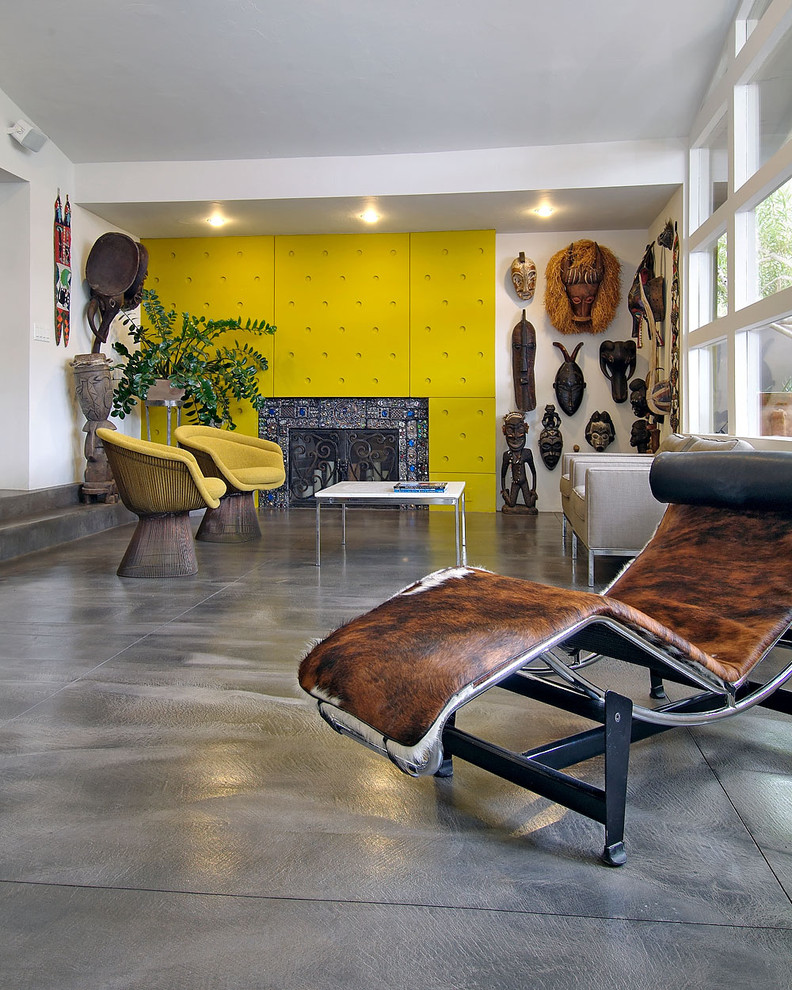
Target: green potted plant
(190,352)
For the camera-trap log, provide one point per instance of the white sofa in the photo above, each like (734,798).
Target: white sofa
(607,502)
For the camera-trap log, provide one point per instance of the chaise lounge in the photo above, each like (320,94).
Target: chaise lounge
(702,606)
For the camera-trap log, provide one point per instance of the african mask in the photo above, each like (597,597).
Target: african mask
(600,431)
(523,357)
(640,435)
(638,397)
(116,269)
(617,361)
(551,443)
(582,288)
(523,276)
(569,382)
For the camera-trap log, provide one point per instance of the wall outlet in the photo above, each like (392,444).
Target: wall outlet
(42,332)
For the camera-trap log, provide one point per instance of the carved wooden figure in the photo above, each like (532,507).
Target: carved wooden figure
(520,460)
(93,384)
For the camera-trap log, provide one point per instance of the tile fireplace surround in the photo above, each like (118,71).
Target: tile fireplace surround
(410,417)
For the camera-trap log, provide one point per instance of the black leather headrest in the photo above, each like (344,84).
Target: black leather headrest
(738,479)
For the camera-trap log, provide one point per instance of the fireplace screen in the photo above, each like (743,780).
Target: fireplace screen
(319,458)
(327,440)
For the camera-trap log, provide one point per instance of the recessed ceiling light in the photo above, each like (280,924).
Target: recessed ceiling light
(369,216)
(544,211)
(216,220)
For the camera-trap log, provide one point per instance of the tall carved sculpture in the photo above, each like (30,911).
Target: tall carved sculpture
(569,381)
(519,460)
(551,442)
(523,360)
(93,384)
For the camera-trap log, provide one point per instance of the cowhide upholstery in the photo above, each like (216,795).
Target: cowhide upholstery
(712,588)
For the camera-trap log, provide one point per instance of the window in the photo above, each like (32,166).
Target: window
(737,337)
(710,171)
(709,379)
(773,227)
(764,108)
(750,14)
(768,351)
(709,269)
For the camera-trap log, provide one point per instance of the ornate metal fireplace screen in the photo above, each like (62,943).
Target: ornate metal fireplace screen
(320,458)
(329,440)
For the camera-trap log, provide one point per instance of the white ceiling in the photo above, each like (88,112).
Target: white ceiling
(201,80)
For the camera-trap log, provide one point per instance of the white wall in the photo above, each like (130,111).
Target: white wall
(628,246)
(38,406)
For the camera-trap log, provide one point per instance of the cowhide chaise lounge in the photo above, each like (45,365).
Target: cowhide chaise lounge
(702,605)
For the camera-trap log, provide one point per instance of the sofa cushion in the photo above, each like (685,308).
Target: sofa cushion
(690,441)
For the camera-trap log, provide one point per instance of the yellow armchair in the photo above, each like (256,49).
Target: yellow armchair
(246,464)
(161,485)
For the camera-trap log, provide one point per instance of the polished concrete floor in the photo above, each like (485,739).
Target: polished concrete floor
(176,815)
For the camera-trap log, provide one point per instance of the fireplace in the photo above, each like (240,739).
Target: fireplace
(329,440)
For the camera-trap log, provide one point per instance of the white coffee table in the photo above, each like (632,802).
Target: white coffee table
(379,492)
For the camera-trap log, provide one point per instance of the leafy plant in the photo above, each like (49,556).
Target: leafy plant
(190,352)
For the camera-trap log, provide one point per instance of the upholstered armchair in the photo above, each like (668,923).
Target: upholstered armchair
(246,464)
(161,485)
(607,501)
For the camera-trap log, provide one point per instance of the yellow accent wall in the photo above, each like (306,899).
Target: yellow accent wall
(217,277)
(342,311)
(452,313)
(360,315)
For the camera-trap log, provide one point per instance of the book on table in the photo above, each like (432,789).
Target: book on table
(416,487)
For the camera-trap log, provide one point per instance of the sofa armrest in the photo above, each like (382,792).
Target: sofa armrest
(621,512)
(583,462)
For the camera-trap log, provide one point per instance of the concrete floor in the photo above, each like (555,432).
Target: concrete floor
(176,815)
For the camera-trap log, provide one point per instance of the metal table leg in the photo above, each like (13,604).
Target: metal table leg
(464,534)
(318,532)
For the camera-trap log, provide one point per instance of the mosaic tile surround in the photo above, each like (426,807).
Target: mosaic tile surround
(409,416)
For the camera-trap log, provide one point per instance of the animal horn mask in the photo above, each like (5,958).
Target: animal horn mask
(569,382)
(617,361)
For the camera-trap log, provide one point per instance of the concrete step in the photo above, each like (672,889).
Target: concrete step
(37,520)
